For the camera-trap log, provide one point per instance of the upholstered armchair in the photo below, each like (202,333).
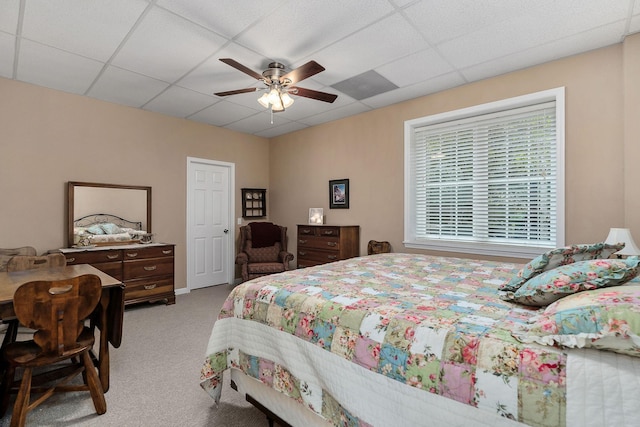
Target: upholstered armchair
(263,250)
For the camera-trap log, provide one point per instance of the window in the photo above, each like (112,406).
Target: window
(487,179)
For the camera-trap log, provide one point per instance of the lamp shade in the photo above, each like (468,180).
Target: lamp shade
(623,235)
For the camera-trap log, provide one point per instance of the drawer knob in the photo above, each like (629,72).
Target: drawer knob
(305,231)
(302,253)
(71,259)
(302,241)
(150,267)
(167,252)
(132,254)
(332,244)
(149,287)
(328,232)
(112,256)
(331,257)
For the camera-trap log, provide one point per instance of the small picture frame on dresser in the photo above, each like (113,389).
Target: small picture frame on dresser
(316,216)
(339,194)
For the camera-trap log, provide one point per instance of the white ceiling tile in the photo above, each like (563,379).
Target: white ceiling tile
(56,69)
(282,129)
(226,19)
(179,102)
(411,69)
(436,84)
(338,113)
(166,47)
(126,87)
(440,21)
(551,51)
(258,123)
(91,28)
(7,53)
(368,49)
(216,76)
(9,16)
(303,27)
(223,113)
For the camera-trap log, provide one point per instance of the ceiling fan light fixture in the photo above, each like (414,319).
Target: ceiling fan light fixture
(264,100)
(276,98)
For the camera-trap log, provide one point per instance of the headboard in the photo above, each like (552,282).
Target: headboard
(89,220)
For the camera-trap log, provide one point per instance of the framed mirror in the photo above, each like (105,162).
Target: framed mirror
(132,203)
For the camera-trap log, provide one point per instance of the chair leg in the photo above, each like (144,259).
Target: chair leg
(95,387)
(21,407)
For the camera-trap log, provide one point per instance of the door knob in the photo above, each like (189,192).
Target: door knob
(226,230)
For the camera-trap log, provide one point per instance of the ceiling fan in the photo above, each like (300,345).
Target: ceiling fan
(279,84)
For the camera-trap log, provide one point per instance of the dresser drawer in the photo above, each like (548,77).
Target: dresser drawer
(91,257)
(329,243)
(145,288)
(113,269)
(148,252)
(316,255)
(147,267)
(319,231)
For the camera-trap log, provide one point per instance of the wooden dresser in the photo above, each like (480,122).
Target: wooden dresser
(320,244)
(146,270)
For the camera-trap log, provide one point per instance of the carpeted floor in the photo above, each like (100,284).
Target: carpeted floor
(155,373)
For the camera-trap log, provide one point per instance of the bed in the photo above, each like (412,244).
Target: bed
(107,229)
(405,339)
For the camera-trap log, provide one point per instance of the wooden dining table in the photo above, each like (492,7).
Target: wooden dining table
(107,317)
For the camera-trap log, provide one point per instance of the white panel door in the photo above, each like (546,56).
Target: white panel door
(209,222)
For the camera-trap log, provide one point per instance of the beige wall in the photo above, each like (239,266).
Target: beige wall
(49,137)
(368,149)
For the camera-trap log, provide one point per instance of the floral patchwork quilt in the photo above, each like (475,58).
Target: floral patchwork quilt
(435,324)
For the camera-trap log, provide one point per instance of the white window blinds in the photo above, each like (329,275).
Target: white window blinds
(489,178)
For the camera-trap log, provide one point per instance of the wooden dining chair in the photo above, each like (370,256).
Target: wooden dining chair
(57,311)
(28,262)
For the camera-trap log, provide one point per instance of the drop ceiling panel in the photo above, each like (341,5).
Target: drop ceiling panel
(368,49)
(276,130)
(166,47)
(126,87)
(216,76)
(303,27)
(225,18)
(57,66)
(335,114)
(9,16)
(7,53)
(541,54)
(260,121)
(223,113)
(441,21)
(68,24)
(436,84)
(416,67)
(179,102)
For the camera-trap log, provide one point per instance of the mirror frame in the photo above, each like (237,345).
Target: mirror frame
(72,185)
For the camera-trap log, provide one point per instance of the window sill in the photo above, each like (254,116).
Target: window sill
(490,249)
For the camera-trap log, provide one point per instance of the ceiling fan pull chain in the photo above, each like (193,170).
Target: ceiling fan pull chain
(271,109)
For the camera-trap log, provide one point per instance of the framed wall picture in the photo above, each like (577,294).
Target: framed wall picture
(339,194)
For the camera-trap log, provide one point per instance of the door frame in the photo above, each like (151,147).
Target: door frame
(231,236)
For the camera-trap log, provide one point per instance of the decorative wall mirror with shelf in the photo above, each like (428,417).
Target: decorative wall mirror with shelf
(131,203)
(254,202)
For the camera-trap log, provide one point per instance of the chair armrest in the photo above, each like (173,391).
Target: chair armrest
(286,257)
(242,258)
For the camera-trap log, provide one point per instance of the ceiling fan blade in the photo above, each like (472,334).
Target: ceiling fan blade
(238,66)
(235,92)
(314,94)
(303,72)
